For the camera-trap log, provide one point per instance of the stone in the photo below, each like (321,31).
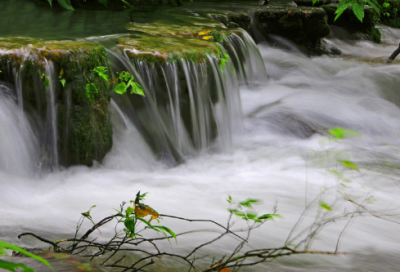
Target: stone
(303,26)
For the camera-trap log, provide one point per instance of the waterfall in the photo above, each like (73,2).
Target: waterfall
(189,107)
(51,114)
(18,143)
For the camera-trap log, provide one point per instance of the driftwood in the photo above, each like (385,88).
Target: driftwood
(394,55)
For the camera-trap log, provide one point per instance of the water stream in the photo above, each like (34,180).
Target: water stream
(280,154)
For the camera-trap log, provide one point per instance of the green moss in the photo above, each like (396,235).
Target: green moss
(161,49)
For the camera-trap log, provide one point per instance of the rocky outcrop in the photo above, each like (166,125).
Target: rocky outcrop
(305,26)
(50,80)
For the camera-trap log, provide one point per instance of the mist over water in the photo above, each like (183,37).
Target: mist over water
(283,157)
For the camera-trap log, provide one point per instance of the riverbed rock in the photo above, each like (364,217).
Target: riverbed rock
(232,19)
(305,26)
(37,68)
(348,21)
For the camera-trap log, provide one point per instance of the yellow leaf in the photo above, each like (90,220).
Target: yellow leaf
(207,37)
(204,32)
(62,72)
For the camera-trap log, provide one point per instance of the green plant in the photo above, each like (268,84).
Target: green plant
(131,238)
(10,266)
(126,82)
(133,216)
(356,5)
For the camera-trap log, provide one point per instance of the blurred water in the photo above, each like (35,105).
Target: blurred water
(285,156)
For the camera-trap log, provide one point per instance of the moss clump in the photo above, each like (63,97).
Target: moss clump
(84,130)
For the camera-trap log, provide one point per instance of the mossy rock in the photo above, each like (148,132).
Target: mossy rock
(84,130)
(162,49)
(165,29)
(351,23)
(232,19)
(305,26)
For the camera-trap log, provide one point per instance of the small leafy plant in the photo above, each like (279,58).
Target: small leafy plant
(125,78)
(356,5)
(134,215)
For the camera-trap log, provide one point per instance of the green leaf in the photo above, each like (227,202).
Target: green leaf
(229,200)
(66,4)
(91,89)
(125,76)
(142,196)
(358,9)
(101,71)
(249,202)
(251,216)
(340,133)
(136,88)
(129,211)
(342,6)
(120,88)
(325,206)
(4,245)
(167,230)
(374,4)
(130,225)
(50,2)
(349,164)
(265,216)
(238,213)
(63,81)
(15,267)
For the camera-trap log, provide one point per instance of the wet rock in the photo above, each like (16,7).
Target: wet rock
(82,131)
(351,23)
(303,26)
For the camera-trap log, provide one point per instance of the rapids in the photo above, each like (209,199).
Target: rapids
(282,155)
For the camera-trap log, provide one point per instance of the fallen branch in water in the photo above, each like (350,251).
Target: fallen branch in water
(394,55)
(126,241)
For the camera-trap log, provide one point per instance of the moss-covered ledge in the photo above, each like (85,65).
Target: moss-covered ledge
(84,130)
(162,49)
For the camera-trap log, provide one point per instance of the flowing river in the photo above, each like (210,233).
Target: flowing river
(280,153)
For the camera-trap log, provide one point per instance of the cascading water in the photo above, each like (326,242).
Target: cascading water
(189,107)
(284,155)
(18,144)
